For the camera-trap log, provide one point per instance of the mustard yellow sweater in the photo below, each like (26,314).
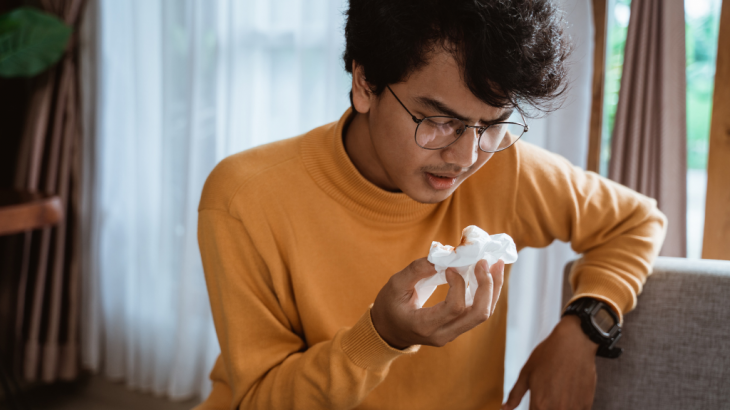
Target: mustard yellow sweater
(296,244)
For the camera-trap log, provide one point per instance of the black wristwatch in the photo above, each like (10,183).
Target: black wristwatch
(600,323)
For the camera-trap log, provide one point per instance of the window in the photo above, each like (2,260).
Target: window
(702,22)
(619,12)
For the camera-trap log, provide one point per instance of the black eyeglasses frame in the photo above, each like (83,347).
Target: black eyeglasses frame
(480,129)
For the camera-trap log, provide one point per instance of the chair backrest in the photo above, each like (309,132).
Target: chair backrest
(676,342)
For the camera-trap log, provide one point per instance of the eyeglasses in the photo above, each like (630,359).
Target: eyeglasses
(440,131)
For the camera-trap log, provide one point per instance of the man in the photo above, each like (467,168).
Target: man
(312,246)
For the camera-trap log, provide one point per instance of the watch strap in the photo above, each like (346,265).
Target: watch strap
(583,308)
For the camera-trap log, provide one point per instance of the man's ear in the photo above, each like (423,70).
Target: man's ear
(362,97)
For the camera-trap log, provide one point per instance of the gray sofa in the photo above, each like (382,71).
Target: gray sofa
(676,342)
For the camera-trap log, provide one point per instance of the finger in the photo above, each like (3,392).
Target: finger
(485,290)
(478,312)
(518,391)
(497,272)
(417,270)
(454,304)
(448,309)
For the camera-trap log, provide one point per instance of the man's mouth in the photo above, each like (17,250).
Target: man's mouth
(441,181)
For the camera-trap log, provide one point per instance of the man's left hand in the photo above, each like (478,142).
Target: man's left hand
(560,373)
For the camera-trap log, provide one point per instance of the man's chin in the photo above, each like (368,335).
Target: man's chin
(428,195)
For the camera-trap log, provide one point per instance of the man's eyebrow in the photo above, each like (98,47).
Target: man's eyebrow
(442,108)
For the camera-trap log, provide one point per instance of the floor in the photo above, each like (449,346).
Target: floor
(97,393)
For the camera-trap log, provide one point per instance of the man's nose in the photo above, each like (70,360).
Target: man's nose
(465,151)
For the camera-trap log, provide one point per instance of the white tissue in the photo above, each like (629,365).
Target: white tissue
(475,245)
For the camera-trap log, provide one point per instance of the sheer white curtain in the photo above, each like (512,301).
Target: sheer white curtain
(537,277)
(179,85)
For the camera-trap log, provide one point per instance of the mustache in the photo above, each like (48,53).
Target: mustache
(445,170)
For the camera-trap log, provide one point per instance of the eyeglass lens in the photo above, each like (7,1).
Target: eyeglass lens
(440,132)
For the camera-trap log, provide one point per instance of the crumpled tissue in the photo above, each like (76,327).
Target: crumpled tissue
(475,245)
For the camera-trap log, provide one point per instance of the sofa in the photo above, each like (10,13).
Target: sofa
(676,342)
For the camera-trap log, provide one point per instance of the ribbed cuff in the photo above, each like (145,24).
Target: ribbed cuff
(610,289)
(364,346)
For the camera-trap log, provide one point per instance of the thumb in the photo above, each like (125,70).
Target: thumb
(417,270)
(518,391)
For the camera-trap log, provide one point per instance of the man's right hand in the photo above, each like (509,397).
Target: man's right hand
(401,323)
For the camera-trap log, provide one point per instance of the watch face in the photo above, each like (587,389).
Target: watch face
(603,321)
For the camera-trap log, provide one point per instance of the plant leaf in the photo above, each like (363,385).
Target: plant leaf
(30,42)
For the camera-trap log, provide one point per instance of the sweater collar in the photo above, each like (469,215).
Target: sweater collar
(326,160)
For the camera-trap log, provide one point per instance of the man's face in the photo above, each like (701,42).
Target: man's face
(429,176)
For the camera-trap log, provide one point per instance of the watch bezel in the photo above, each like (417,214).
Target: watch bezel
(616,325)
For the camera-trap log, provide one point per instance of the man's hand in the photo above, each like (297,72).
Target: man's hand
(560,373)
(400,323)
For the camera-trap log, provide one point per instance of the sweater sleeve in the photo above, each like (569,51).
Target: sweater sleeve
(264,363)
(618,231)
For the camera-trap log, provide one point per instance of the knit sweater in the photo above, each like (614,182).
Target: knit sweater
(296,244)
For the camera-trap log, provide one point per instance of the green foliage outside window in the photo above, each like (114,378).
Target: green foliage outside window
(617,28)
(702,28)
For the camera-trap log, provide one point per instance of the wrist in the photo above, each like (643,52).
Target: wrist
(381,327)
(364,346)
(570,327)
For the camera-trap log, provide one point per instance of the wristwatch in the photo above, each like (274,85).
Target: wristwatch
(600,323)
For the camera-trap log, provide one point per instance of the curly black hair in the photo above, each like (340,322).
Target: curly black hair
(512,52)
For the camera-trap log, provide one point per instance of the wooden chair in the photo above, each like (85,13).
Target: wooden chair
(25,211)
(20,212)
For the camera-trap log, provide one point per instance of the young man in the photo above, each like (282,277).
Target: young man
(312,246)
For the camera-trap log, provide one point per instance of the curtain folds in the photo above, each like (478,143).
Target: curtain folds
(45,338)
(179,85)
(649,142)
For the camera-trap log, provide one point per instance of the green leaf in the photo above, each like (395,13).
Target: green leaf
(30,42)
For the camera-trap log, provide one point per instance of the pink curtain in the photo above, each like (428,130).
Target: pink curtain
(649,142)
(46,330)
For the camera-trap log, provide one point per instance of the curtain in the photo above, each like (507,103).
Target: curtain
(536,281)
(45,343)
(649,142)
(174,86)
